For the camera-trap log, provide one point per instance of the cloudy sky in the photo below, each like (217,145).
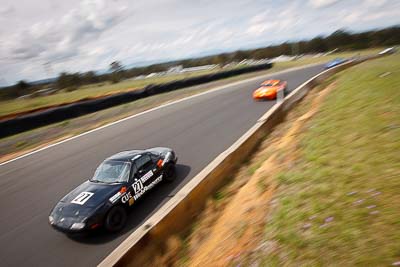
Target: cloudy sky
(39,39)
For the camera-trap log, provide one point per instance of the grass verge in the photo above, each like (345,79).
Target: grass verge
(338,204)
(88,91)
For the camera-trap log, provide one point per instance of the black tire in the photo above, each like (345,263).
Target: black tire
(115,219)
(169,173)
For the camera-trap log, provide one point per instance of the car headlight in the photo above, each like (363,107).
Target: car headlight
(77,226)
(51,219)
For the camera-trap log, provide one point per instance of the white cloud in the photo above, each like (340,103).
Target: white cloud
(322,3)
(6,11)
(54,40)
(374,3)
(261,28)
(274,22)
(363,13)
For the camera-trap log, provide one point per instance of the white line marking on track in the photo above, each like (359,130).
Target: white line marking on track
(156,108)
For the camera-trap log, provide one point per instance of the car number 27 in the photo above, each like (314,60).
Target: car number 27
(137,186)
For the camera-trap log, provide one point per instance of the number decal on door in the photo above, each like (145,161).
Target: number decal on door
(137,186)
(82,198)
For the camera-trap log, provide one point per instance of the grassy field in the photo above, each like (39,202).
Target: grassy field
(311,60)
(338,204)
(93,90)
(20,105)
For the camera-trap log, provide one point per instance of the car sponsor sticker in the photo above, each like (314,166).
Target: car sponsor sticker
(147,176)
(115,197)
(147,187)
(126,197)
(82,198)
(131,201)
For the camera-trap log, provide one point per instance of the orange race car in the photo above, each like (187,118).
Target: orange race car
(269,89)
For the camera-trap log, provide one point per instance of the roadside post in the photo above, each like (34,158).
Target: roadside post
(280,96)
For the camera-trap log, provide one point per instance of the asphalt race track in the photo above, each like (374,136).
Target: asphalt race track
(198,129)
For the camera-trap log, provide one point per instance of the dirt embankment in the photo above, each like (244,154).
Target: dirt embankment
(233,223)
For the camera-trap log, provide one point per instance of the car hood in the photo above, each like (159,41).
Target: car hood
(82,202)
(266,89)
(90,194)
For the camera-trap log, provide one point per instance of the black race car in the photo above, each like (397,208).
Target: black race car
(118,182)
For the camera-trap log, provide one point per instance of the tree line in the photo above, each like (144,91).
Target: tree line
(340,39)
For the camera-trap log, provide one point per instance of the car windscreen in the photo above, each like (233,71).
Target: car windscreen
(112,172)
(269,84)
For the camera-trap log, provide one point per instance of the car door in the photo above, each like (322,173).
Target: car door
(145,172)
(138,185)
(146,175)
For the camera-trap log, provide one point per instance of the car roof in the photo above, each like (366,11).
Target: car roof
(274,82)
(128,155)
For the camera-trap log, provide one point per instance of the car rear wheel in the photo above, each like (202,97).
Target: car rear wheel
(169,173)
(115,219)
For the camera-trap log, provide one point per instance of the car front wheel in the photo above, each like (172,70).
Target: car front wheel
(115,219)
(169,172)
